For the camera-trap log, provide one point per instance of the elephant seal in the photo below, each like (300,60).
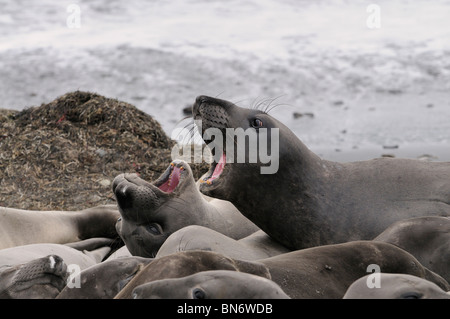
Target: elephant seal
(106,279)
(150,212)
(298,198)
(41,278)
(395,286)
(426,238)
(317,272)
(183,264)
(255,246)
(213,284)
(58,227)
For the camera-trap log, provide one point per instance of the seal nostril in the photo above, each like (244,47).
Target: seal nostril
(123,197)
(201,99)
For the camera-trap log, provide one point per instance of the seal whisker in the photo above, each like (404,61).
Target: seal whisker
(274,106)
(270,101)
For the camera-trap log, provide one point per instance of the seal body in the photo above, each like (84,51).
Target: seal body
(151,212)
(255,246)
(426,238)
(213,284)
(317,272)
(106,279)
(395,286)
(22,227)
(309,201)
(26,253)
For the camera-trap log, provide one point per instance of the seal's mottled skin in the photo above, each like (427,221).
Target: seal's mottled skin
(149,215)
(41,278)
(310,201)
(395,286)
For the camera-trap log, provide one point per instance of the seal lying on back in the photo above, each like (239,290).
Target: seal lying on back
(395,286)
(22,227)
(150,212)
(309,201)
(317,272)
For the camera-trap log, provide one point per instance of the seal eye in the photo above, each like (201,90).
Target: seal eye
(257,123)
(198,293)
(153,228)
(411,295)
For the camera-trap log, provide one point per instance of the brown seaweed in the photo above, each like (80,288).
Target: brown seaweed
(65,154)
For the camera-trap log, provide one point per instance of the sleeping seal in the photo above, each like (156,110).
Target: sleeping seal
(395,286)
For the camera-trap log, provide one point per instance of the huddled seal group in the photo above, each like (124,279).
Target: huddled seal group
(311,228)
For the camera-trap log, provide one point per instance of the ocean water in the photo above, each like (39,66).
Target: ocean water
(370,78)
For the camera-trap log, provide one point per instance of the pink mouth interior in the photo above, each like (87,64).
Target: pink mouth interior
(172,182)
(219,167)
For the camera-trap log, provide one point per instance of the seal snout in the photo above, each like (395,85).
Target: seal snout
(134,196)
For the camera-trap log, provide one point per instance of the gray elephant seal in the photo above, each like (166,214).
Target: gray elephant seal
(213,284)
(150,212)
(317,272)
(183,264)
(41,278)
(309,201)
(396,286)
(21,227)
(426,238)
(255,246)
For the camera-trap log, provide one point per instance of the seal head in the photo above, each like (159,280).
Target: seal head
(150,212)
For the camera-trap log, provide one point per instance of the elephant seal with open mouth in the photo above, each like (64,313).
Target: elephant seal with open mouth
(151,212)
(305,201)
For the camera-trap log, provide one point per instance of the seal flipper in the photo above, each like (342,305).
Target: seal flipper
(98,254)
(91,243)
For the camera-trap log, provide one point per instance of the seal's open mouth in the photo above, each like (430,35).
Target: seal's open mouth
(215,170)
(169,181)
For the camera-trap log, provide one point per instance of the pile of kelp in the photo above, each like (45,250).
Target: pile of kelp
(65,154)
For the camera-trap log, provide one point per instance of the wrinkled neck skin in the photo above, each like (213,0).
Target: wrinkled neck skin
(296,190)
